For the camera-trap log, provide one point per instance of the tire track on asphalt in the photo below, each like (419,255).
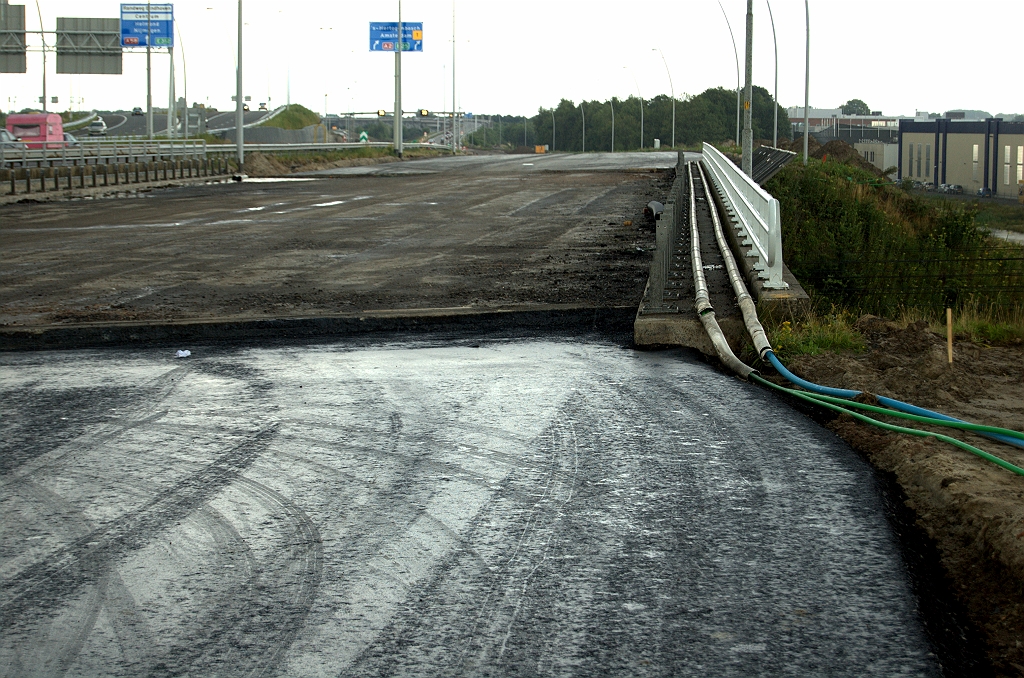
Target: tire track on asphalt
(246,628)
(163,386)
(466,630)
(44,585)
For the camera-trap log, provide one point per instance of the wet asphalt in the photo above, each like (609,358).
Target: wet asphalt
(425,507)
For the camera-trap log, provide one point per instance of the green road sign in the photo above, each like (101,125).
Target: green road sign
(363,136)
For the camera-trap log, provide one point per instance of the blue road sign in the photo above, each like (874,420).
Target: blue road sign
(135,31)
(384,36)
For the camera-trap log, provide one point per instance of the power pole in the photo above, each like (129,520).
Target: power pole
(748,128)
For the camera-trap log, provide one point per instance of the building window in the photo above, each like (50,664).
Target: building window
(919,147)
(910,160)
(974,163)
(1006,165)
(1020,164)
(928,160)
(872,156)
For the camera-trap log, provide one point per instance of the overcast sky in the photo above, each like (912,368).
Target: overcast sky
(899,56)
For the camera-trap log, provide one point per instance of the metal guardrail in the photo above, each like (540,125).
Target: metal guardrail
(102,151)
(756,212)
(270,148)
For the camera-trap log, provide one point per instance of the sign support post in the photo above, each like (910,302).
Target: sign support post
(149,73)
(398,85)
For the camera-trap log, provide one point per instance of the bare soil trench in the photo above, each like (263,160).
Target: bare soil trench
(971,508)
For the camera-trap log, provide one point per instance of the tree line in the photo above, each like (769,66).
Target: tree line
(709,116)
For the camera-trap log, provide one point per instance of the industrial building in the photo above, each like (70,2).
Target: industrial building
(976,154)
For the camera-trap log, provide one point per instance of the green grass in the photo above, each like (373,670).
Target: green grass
(990,214)
(818,332)
(295,116)
(986,325)
(870,247)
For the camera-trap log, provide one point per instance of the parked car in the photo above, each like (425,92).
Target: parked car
(9,141)
(985,192)
(138,111)
(97,128)
(956,188)
(263,107)
(70,140)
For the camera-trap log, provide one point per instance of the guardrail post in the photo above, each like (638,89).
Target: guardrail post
(14,186)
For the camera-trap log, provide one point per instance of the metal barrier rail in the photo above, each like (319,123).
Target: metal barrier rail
(265,148)
(102,152)
(756,212)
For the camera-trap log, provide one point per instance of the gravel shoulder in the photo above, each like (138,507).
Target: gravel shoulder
(972,509)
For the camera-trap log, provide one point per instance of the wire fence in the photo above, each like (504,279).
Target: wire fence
(991,276)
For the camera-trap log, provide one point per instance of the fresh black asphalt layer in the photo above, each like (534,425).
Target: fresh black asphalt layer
(418,507)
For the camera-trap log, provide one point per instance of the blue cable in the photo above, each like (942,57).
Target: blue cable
(888,402)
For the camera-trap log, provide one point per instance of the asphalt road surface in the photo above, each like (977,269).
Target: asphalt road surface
(123,123)
(467,234)
(460,507)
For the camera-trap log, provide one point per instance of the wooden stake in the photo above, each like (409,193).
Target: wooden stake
(949,334)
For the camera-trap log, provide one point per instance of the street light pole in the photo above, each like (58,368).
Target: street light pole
(552,130)
(748,93)
(672,89)
(807,79)
(737,57)
(239,118)
(455,115)
(611,102)
(584,115)
(775,96)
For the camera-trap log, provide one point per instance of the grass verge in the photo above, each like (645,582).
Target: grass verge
(295,116)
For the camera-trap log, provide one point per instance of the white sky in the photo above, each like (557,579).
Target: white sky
(512,57)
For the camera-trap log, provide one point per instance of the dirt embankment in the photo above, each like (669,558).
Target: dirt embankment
(972,509)
(262,165)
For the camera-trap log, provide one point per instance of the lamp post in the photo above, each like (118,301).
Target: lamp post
(807,79)
(552,130)
(673,91)
(42,36)
(748,95)
(737,57)
(584,127)
(239,129)
(611,102)
(775,96)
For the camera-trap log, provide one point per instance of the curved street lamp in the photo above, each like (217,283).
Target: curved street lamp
(807,79)
(552,130)
(737,57)
(611,102)
(775,96)
(673,91)
(584,127)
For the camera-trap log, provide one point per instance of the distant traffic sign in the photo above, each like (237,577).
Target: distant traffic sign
(384,36)
(134,29)
(363,136)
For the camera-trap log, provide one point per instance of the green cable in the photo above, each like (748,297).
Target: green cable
(963,425)
(891,427)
